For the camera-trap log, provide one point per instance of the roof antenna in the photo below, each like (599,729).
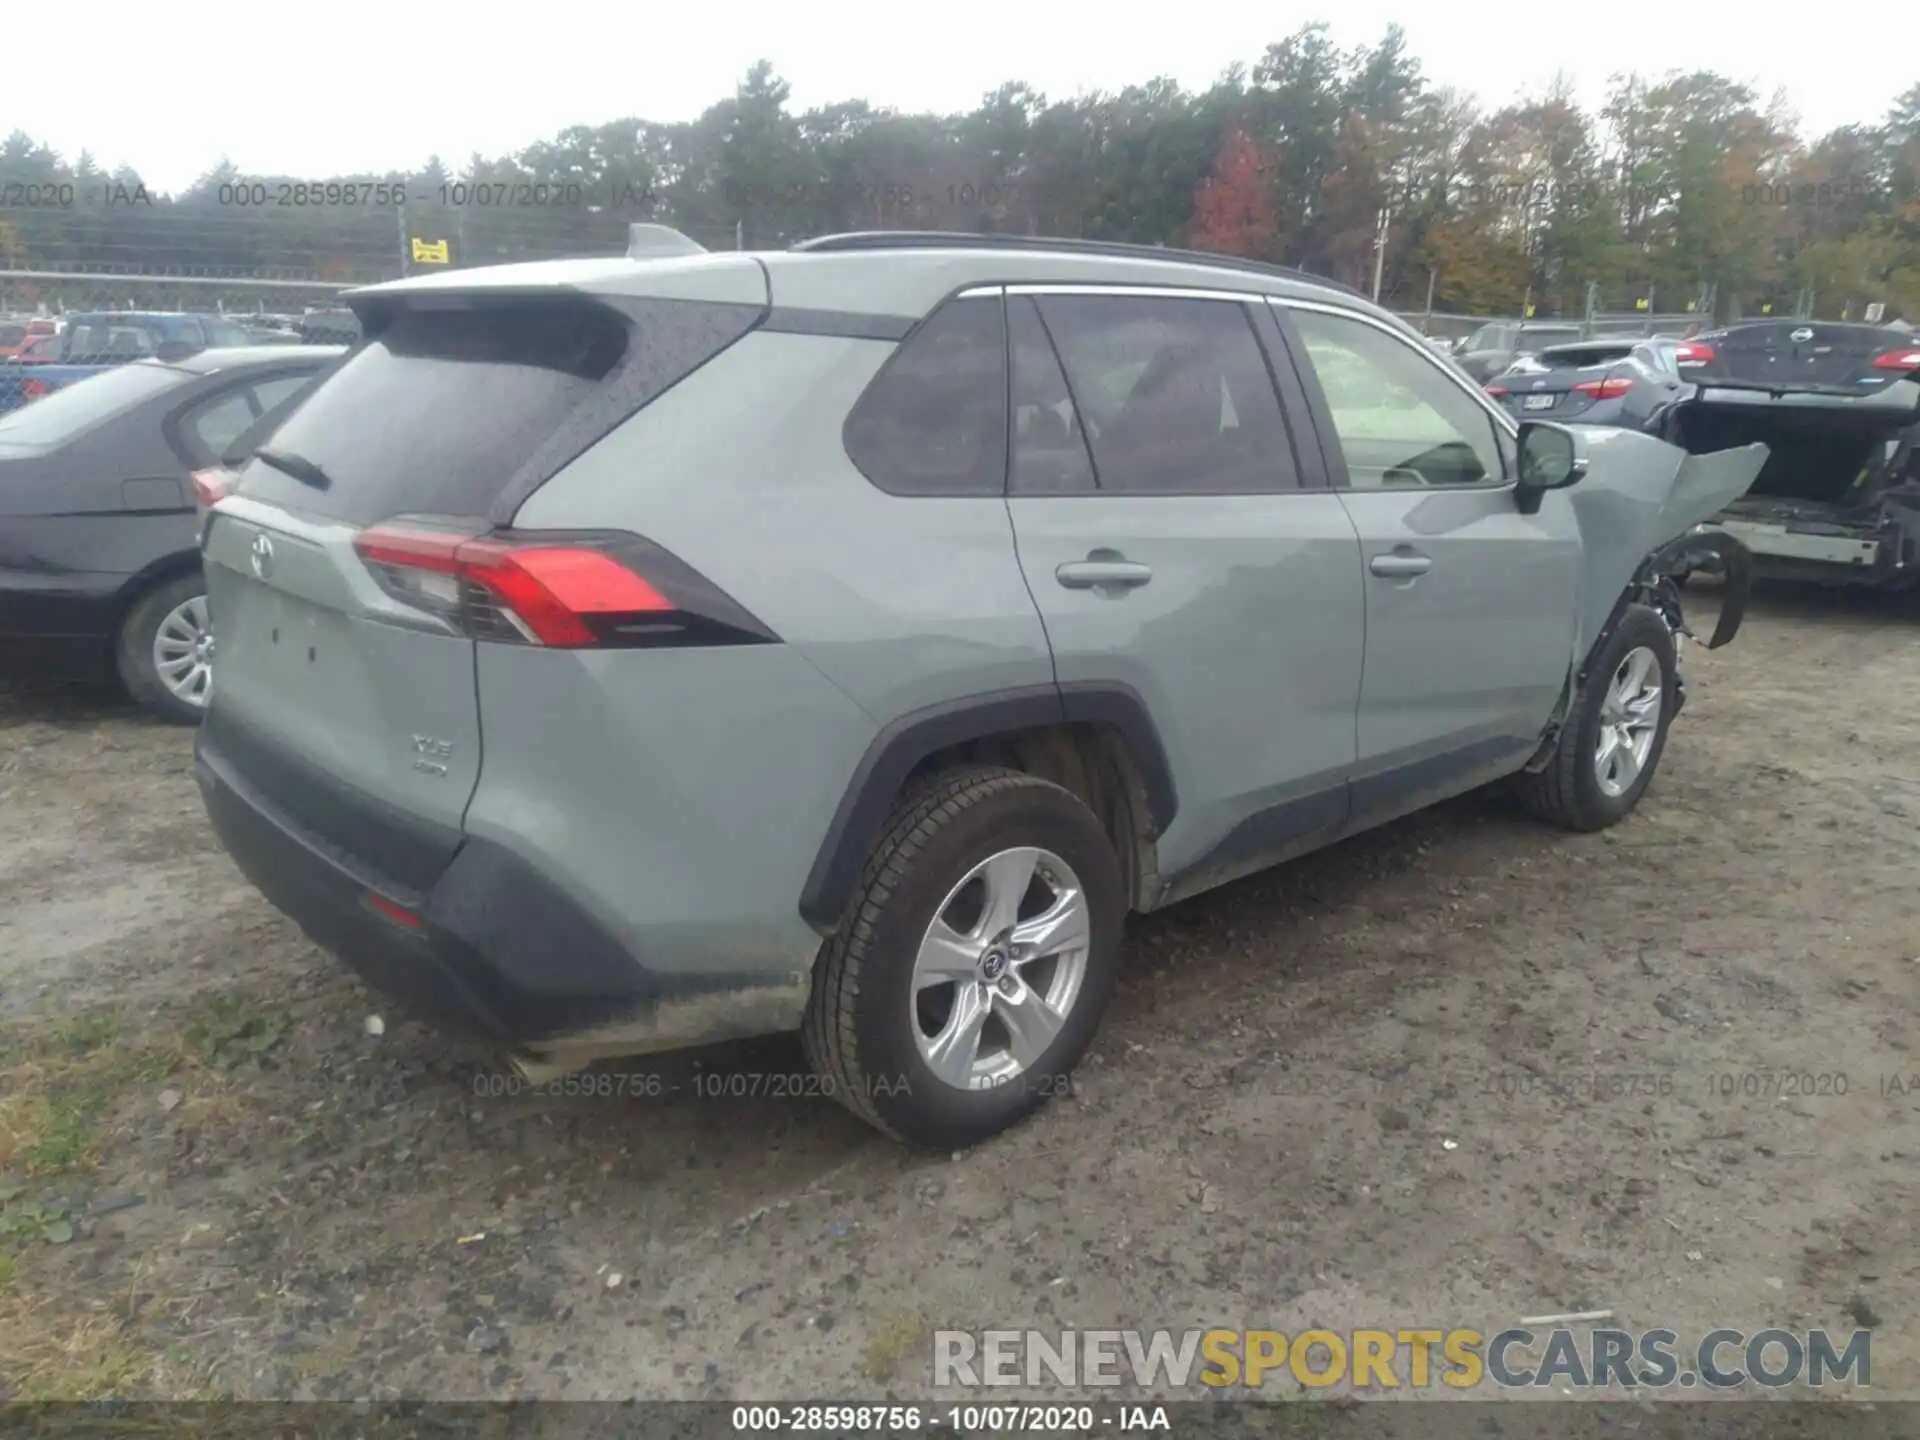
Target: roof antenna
(651,242)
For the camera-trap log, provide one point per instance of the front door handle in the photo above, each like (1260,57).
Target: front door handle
(1400,566)
(1102,574)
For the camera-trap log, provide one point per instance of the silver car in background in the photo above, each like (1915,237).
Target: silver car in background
(1593,382)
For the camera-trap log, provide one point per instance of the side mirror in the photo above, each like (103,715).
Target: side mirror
(1552,457)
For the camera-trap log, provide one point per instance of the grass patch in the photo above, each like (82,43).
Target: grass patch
(58,1084)
(229,1033)
(893,1339)
(49,1356)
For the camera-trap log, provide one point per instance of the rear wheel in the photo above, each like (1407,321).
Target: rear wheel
(971,972)
(165,651)
(1612,740)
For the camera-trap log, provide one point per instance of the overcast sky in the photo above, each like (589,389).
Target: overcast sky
(356,86)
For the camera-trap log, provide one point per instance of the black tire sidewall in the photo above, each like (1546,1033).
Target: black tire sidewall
(902,1089)
(1639,627)
(133,650)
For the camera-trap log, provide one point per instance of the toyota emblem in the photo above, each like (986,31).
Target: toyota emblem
(262,555)
(1801,336)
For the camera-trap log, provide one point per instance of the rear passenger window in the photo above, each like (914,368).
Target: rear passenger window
(1174,395)
(1049,446)
(934,420)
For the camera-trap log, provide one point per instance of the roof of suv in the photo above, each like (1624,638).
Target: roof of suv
(903,274)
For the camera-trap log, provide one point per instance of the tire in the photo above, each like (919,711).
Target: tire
(134,656)
(866,1022)
(1569,792)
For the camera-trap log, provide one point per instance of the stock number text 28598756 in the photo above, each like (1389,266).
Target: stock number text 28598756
(454,194)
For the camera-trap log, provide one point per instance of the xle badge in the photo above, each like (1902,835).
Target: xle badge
(430,755)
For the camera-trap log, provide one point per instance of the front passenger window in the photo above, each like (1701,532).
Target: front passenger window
(1402,422)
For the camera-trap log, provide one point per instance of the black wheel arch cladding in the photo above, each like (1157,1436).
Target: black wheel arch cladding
(902,746)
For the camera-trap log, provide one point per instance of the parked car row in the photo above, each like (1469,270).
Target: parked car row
(1839,498)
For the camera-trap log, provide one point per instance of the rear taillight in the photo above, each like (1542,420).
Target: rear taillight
(1898,360)
(211,486)
(1611,388)
(1497,391)
(1692,354)
(567,591)
(32,389)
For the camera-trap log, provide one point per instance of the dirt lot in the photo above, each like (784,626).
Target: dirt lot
(1457,1072)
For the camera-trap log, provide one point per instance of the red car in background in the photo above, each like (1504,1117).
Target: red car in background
(16,336)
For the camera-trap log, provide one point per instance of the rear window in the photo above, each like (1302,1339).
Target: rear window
(1585,356)
(79,407)
(439,412)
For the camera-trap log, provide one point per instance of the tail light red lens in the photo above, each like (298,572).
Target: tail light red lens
(1612,388)
(1906,359)
(1692,354)
(1497,391)
(569,592)
(211,486)
(33,389)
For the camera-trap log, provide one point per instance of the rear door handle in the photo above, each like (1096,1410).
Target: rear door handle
(1102,574)
(1400,566)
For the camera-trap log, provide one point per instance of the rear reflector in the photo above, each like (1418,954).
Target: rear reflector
(1611,388)
(211,486)
(393,911)
(1692,354)
(1898,360)
(565,591)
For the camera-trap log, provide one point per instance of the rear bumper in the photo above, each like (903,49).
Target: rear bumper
(500,952)
(1879,552)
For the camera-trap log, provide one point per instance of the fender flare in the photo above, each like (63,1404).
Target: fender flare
(904,744)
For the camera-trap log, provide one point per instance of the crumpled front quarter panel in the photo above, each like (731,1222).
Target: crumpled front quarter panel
(1639,493)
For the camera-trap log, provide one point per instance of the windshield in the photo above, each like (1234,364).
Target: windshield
(86,403)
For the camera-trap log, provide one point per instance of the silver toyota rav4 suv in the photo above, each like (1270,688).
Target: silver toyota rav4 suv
(624,654)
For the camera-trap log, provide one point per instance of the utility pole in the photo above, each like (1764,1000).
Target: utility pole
(740,234)
(1379,254)
(1428,326)
(406,250)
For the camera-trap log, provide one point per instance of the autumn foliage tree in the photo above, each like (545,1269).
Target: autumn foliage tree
(1233,211)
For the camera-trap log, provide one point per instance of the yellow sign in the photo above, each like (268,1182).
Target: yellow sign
(1767,309)
(1692,305)
(430,252)
(1641,303)
(1529,314)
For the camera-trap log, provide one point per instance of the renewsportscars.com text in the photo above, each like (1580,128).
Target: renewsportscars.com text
(1460,1359)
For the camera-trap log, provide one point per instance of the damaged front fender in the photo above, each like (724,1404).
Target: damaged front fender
(1639,496)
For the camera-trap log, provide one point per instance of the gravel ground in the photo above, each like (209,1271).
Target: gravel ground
(1459,1071)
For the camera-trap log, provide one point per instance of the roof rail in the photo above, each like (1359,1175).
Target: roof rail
(1057,245)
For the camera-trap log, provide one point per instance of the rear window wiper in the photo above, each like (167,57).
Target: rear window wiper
(298,466)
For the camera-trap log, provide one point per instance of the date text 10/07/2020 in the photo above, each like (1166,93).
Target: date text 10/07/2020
(961,1419)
